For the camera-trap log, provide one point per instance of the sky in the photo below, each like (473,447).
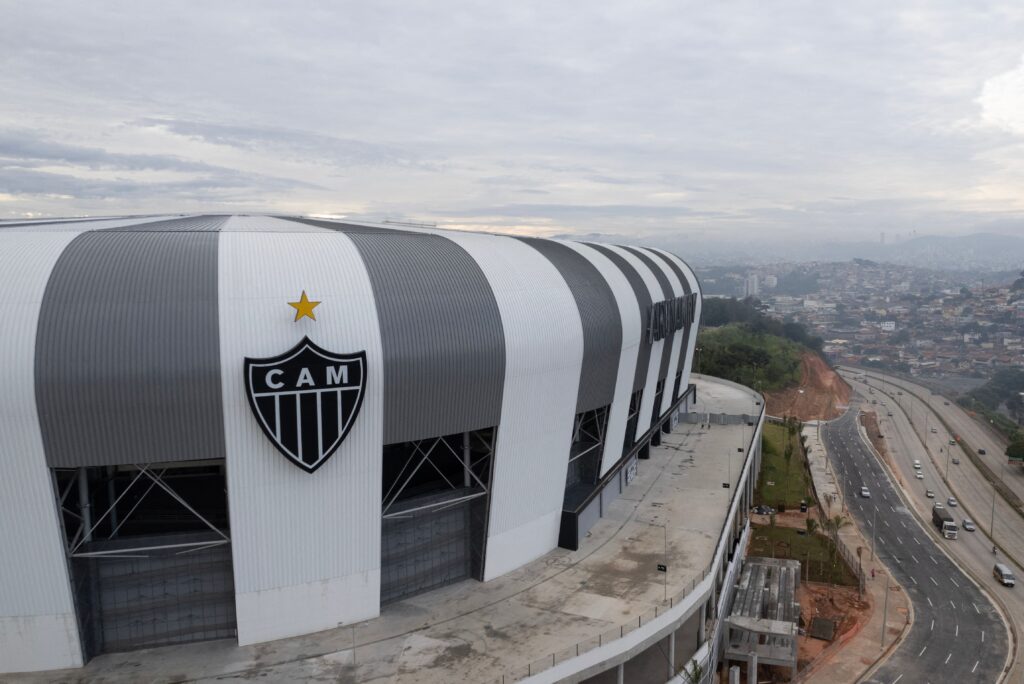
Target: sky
(732,121)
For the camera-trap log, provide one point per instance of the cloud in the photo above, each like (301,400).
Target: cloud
(1002,100)
(289,143)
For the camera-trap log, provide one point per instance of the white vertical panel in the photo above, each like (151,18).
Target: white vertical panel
(694,287)
(306,546)
(676,340)
(544,356)
(38,629)
(632,330)
(643,423)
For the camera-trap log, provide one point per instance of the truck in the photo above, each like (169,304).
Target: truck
(944,523)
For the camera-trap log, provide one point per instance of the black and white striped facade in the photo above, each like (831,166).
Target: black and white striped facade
(125,340)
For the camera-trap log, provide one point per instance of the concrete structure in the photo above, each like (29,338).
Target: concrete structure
(763,622)
(583,615)
(248,428)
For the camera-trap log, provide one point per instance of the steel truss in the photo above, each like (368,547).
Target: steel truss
(588,432)
(475,473)
(86,527)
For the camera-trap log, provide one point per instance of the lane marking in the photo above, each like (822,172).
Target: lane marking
(982,636)
(975,665)
(932,628)
(952,604)
(933,560)
(917,541)
(922,651)
(930,602)
(900,541)
(897,679)
(915,558)
(954,582)
(933,581)
(946,661)
(957,632)
(976,609)
(913,580)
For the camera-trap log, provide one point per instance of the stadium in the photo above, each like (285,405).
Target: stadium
(252,428)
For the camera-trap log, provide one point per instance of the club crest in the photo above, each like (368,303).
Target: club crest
(306,400)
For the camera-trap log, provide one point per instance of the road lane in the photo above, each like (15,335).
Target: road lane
(958,635)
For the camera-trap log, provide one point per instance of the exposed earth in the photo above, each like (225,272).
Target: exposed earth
(821,394)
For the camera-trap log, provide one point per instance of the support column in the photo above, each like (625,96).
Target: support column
(702,626)
(622,673)
(112,496)
(466,479)
(84,504)
(752,668)
(671,654)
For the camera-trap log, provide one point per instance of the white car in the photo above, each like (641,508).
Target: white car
(919,475)
(968,524)
(865,493)
(951,502)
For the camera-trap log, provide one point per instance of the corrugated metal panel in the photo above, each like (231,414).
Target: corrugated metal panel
(689,332)
(674,345)
(89,223)
(201,224)
(694,286)
(667,293)
(127,356)
(629,315)
(602,325)
(306,546)
(654,293)
(643,303)
(33,571)
(84,225)
(444,348)
(267,224)
(544,355)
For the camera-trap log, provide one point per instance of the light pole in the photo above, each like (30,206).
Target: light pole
(992,524)
(885,611)
(874,519)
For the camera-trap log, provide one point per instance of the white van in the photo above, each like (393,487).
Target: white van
(917,464)
(1003,575)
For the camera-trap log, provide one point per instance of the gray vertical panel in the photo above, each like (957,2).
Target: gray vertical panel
(441,333)
(602,324)
(643,299)
(668,293)
(127,359)
(686,290)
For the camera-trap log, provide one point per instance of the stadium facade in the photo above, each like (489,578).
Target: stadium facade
(260,427)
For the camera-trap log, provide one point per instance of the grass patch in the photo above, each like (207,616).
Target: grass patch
(814,551)
(792,481)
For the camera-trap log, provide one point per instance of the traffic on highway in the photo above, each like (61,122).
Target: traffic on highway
(958,635)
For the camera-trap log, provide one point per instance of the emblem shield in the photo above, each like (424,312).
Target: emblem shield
(306,400)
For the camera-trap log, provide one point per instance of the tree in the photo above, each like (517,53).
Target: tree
(812,525)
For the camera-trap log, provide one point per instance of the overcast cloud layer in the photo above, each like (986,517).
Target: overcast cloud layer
(647,119)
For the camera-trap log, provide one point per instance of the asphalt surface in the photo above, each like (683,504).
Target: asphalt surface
(957,635)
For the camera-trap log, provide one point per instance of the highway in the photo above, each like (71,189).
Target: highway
(957,635)
(975,494)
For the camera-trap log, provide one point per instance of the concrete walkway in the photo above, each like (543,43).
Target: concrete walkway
(851,657)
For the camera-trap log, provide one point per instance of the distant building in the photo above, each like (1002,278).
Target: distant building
(888,326)
(753,287)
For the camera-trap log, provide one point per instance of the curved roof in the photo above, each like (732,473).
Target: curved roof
(116,324)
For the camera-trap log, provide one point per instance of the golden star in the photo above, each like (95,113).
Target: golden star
(304,307)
